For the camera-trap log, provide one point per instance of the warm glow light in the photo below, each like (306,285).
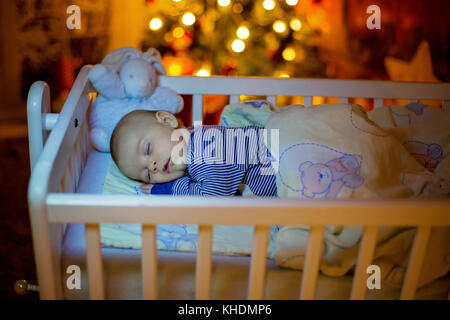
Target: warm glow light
(178,32)
(223,3)
(202,73)
(288,54)
(292,2)
(281,74)
(155,24)
(242,32)
(176,0)
(238,45)
(188,18)
(279,26)
(175,69)
(237,8)
(269,4)
(296,24)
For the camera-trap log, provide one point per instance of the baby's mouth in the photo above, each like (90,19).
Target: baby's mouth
(166,167)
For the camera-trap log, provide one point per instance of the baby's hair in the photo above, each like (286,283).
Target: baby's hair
(115,137)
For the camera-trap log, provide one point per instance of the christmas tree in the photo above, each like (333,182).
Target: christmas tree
(233,37)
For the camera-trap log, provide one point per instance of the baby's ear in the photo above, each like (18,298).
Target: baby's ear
(167,119)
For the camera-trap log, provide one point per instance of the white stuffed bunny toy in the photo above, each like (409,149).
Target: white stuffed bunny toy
(126,80)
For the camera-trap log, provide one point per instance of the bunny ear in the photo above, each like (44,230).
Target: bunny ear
(117,58)
(154,57)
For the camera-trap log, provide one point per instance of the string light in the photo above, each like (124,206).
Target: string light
(242,32)
(269,4)
(279,26)
(237,8)
(289,54)
(295,24)
(203,73)
(175,69)
(223,3)
(155,24)
(178,32)
(188,18)
(238,46)
(281,74)
(292,2)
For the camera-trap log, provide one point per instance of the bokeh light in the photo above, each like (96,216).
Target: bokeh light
(188,18)
(269,4)
(295,24)
(155,24)
(279,26)
(238,45)
(242,32)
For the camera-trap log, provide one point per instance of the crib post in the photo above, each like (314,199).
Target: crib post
(45,236)
(38,104)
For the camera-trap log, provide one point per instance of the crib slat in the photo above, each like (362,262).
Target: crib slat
(74,166)
(365,256)
(78,161)
(94,262)
(149,263)
(446,105)
(311,267)
(307,101)
(258,263)
(234,99)
(378,102)
(68,179)
(343,100)
(197,108)
(415,263)
(203,268)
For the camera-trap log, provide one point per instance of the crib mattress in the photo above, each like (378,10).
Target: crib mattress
(176,270)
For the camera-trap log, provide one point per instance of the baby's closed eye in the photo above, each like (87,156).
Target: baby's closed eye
(147,149)
(145,175)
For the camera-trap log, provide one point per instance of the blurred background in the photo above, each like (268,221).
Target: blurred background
(276,38)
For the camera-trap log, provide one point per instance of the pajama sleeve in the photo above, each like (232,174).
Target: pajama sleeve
(162,188)
(211,180)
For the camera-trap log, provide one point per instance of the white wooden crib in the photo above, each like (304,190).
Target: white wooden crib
(59,148)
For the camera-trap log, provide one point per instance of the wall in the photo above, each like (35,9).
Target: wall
(129,19)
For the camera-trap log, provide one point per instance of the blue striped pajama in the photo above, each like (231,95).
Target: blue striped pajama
(220,159)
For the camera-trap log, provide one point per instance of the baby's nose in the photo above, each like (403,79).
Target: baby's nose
(153,166)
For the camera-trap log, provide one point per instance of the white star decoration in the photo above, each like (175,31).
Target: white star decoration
(420,68)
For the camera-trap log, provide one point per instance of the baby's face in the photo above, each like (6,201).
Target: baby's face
(145,150)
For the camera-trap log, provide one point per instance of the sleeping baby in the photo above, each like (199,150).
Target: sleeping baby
(154,148)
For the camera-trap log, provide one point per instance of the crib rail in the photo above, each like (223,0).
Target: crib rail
(95,209)
(58,158)
(308,88)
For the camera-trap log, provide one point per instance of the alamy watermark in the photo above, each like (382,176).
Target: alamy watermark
(235,146)
(374,21)
(74,280)
(74,20)
(374,280)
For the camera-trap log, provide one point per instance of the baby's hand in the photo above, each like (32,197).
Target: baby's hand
(146,188)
